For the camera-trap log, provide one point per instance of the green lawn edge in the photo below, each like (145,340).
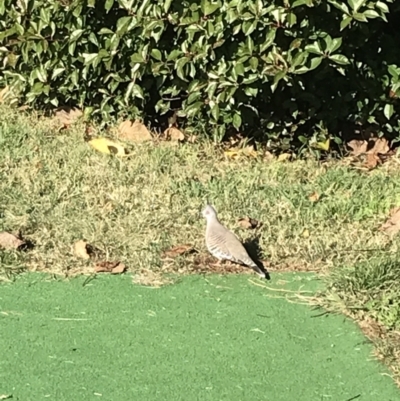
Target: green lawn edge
(204,337)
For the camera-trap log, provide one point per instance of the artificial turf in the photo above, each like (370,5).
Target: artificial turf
(202,338)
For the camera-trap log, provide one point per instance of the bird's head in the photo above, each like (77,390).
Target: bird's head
(209,212)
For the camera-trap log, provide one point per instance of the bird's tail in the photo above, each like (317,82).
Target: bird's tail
(262,273)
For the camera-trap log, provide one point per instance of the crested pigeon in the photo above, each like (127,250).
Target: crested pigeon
(223,244)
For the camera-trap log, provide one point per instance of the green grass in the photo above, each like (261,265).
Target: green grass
(214,338)
(369,292)
(56,189)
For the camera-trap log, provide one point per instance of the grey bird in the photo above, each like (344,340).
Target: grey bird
(223,244)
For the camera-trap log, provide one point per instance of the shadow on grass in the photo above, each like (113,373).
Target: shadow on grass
(253,248)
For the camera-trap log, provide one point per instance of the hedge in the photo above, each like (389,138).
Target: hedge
(297,71)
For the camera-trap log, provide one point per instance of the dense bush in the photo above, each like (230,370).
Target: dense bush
(299,71)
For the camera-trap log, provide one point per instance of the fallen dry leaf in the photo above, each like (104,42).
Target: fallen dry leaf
(358,146)
(105,145)
(268,156)
(374,151)
(134,131)
(179,250)
(67,115)
(248,223)
(109,267)
(372,161)
(283,157)
(314,197)
(372,146)
(5,396)
(174,134)
(10,241)
(81,249)
(392,225)
(250,151)
(380,146)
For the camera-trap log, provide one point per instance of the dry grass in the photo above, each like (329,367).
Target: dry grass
(56,190)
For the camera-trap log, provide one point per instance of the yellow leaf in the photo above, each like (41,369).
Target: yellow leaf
(104,145)
(232,153)
(323,145)
(305,233)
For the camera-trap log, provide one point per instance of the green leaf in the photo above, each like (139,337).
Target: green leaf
(394,71)
(239,69)
(339,59)
(249,26)
(251,92)
(137,58)
(214,110)
(75,35)
(382,6)
(299,59)
(298,3)
(254,63)
(133,90)
(277,78)
(123,24)
(41,74)
(167,5)
(356,4)
(237,120)
(108,5)
(193,109)
(371,14)
(345,22)
(314,48)
(335,44)
(360,17)
(105,31)
(155,53)
(315,62)
(388,110)
(57,72)
(291,19)
(89,58)
(269,40)
(211,88)
(174,54)
(179,65)
(250,79)
(209,8)
(193,97)
(341,6)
